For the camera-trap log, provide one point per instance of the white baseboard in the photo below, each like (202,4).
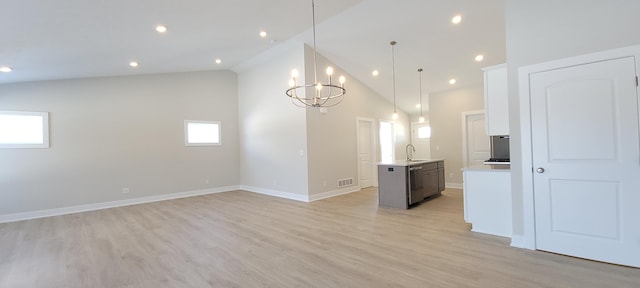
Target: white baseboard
(141,200)
(111,204)
(491,232)
(276,193)
(517,241)
(333,193)
(453,185)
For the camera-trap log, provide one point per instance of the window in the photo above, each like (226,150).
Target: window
(424,132)
(19,129)
(201,133)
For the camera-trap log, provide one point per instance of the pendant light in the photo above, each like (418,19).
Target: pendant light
(324,94)
(393,73)
(421,119)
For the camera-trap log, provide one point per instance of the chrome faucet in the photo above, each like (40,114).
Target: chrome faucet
(407,150)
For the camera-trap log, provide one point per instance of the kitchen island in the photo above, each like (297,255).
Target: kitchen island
(402,183)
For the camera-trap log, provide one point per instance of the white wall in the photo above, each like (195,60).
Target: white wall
(445,118)
(273,131)
(544,30)
(332,137)
(273,136)
(116,132)
(111,133)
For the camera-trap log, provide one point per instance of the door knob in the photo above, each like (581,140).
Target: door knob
(540,170)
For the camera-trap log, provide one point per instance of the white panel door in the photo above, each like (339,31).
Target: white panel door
(587,161)
(365,153)
(421,139)
(478,147)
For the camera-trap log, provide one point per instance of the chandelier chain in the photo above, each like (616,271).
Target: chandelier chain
(315,50)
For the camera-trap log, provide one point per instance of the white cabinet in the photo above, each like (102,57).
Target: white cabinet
(496,102)
(487,201)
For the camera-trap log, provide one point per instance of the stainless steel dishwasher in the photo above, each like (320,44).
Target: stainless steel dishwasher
(423,182)
(416,184)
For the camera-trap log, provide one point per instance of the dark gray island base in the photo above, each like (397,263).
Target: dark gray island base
(402,184)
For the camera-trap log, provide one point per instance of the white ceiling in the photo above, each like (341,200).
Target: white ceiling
(44,40)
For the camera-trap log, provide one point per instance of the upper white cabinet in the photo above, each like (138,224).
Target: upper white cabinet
(496,102)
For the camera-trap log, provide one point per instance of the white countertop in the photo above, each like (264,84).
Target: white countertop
(404,162)
(489,168)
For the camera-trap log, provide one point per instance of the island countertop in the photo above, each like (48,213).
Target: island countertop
(404,162)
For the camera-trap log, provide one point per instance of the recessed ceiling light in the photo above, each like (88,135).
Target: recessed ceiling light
(263,34)
(452,81)
(479,57)
(218,61)
(5,69)
(133,64)
(418,105)
(456,19)
(161,28)
(375,72)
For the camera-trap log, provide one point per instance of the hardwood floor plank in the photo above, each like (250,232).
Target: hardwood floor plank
(242,239)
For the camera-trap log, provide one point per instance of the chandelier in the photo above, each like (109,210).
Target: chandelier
(324,94)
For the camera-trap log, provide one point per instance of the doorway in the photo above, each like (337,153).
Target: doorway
(387,141)
(421,140)
(580,184)
(366,152)
(476,147)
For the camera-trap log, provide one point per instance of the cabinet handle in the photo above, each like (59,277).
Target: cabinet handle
(415,168)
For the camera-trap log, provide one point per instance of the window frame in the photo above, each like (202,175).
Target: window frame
(186,133)
(45,130)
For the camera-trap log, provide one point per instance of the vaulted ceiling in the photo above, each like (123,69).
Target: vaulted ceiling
(45,40)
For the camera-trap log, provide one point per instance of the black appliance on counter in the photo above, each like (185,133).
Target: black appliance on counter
(500,154)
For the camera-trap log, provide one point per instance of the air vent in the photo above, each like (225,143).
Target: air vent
(345,182)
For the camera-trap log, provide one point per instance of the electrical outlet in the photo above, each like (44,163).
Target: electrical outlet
(125,190)
(206,181)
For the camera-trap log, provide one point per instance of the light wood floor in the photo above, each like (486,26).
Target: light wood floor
(242,239)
